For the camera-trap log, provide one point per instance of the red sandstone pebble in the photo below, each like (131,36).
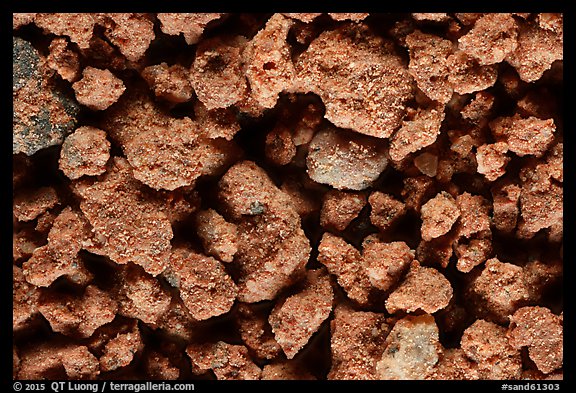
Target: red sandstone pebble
(428,55)
(541,202)
(492,160)
(474,214)
(176,321)
(356,17)
(340,208)
(131,33)
(356,74)
(205,287)
(120,351)
(467,76)
(98,89)
(63,60)
(486,344)
(178,150)
(491,39)
(541,331)
(537,49)
(297,317)
(77,315)
(217,75)
(141,295)
(423,288)
(170,83)
(345,262)
(256,332)
(191,25)
(272,247)
(219,237)
(419,131)
(226,360)
(78,26)
(29,205)
(386,210)
(60,256)
(524,136)
(345,160)
(386,262)
(268,66)
(85,152)
(357,343)
(473,253)
(411,349)
(438,216)
(127,226)
(499,290)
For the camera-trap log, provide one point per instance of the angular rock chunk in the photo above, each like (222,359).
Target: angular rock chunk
(272,247)
(177,151)
(64,60)
(360,78)
(217,75)
(499,290)
(411,349)
(205,287)
(438,216)
(170,83)
(536,51)
(219,237)
(492,160)
(541,331)
(27,206)
(428,55)
(424,288)
(491,39)
(24,300)
(344,160)
(454,365)
(85,152)
(128,226)
(474,214)
(78,316)
(295,319)
(268,65)
(386,210)
(141,296)
(386,262)
(416,133)
(46,361)
(60,256)
(356,343)
(340,208)
(345,262)
(98,89)
(486,344)
(530,136)
(505,207)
